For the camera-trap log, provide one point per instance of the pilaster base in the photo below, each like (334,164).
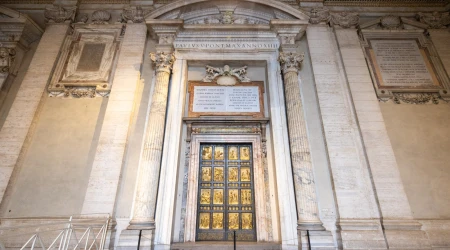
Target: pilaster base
(362,234)
(405,234)
(129,240)
(318,239)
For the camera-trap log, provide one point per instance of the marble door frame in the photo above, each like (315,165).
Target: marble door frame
(258,170)
(285,224)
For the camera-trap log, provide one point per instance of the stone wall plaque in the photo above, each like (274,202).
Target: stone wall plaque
(405,66)
(401,64)
(210,99)
(87,61)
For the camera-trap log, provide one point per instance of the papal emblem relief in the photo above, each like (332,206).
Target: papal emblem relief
(225,193)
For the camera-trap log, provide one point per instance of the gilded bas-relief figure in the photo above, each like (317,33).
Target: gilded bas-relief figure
(232,174)
(246,196)
(247,221)
(217,221)
(245,153)
(205,196)
(218,196)
(218,174)
(218,153)
(233,197)
(206,174)
(232,153)
(245,174)
(207,153)
(233,221)
(204,221)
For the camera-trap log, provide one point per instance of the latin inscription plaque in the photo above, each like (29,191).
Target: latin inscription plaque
(401,64)
(212,99)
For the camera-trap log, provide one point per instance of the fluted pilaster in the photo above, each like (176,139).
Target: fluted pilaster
(305,193)
(149,166)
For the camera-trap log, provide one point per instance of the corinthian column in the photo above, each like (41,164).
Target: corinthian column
(149,166)
(305,193)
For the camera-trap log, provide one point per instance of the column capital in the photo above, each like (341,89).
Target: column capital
(163,61)
(291,61)
(59,14)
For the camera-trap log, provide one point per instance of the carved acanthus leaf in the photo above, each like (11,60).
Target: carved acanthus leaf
(7,56)
(134,14)
(416,98)
(163,61)
(291,61)
(345,19)
(100,17)
(59,14)
(213,73)
(434,20)
(318,15)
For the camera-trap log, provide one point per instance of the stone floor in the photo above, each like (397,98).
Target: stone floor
(225,246)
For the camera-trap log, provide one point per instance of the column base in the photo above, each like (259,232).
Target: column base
(129,240)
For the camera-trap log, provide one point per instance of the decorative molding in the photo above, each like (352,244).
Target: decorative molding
(58,14)
(434,20)
(163,61)
(416,98)
(345,19)
(290,61)
(319,15)
(216,74)
(7,56)
(134,14)
(225,18)
(100,17)
(386,3)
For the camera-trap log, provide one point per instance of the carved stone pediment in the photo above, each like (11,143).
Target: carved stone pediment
(392,22)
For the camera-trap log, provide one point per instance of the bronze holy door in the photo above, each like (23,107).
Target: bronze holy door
(226,200)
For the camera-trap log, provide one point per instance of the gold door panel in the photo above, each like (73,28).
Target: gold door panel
(226,193)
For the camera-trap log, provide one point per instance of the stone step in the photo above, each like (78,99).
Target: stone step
(214,245)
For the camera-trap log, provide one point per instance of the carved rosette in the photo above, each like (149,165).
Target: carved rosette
(134,14)
(58,14)
(434,20)
(318,15)
(7,56)
(291,62)
(163,61)
(345,19)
